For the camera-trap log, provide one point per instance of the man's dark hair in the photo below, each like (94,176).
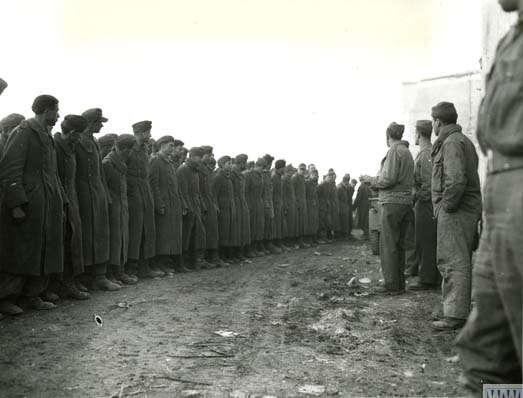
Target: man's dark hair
(43,103)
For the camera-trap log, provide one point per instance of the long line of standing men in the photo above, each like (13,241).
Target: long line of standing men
(80,213)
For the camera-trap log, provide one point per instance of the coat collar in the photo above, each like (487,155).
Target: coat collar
(117,161)
(67,147)
(446,132)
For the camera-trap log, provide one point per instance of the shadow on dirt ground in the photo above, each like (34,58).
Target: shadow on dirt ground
(288,326)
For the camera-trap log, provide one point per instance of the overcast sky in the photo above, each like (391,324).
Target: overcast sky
(305,80)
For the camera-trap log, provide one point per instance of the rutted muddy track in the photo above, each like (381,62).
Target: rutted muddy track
(298,324)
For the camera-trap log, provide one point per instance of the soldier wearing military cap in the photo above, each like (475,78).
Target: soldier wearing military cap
(142,229)
(31,211)
(178,154)
(254,195)
(343,200)
(325,210)
(7,125)
(193,229)
(224,191)
(311,195)
(241,229)
(267,243)
(395,182)
(298,182)
(277,203)
(456,198)
(335,208)
(115,171)
(93,200)
(66,141)
(167,207)
(209,206)
(288,209)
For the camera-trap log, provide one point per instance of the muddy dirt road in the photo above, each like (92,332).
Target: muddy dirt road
(297,330)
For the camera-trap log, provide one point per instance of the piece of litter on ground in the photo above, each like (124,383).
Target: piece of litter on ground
(423,366)
(438,383)
(226,333)
(317,253)
(238,394)
(453,359)
(352,282)
(408,373)
(191,393)
(280,305)
(312,389)
(283,265)
(365,281)
(247,261)
(345,258)
(361,294)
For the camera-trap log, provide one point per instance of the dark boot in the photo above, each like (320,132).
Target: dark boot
(9,308)
(179,264)
(50,296)
(251,253)
(100,282)
(273,248)
(144,271)
(36,303)
(200,262)
(68,289)
(260,250)
(239,254)
(266,247)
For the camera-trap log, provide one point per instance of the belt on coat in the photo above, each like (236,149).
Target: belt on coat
(498,163)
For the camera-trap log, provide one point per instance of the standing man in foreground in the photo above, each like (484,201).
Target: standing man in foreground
(32,209)
(394,182)
(490,343)
(456,198)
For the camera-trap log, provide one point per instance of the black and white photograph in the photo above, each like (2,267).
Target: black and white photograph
(261,198)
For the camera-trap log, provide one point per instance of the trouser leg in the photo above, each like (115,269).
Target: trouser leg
(390,247)
(426,243)
(490,343)
(34,285)
(455,238)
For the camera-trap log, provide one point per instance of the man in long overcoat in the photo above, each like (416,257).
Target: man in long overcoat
(343,199)
(209,206)
(115,171)
(333,198)
(289,208)
(254,196)
(277,203)
(267,243)
(362,206)
(65,144)
(325,209)
(456,198)
(313,215)
(32,211)
(298,183)
(142,229)
(224,190)
(193,233)
(167,204)
(93,200)
(242,231)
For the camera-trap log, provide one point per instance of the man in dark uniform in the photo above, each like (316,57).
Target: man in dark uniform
(456,197)
(490,343)
(298,182)
(31,212)
(115,172)
(7,125)
(350,195)
(395,182)
(343,200)
(335,208)
(224,191)
(167,205)
(242,228)
(362,206)
(254,195)
(425,224)
(142,229)
(93,198)
(72,127)
(209,206)
(324,209)
(193,233)
(268,244)
(288,209)
(106,143)
(313,215)
(277,203)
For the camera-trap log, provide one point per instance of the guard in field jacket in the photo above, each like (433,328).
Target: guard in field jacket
(489,345)
(395,183)
(456,197)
